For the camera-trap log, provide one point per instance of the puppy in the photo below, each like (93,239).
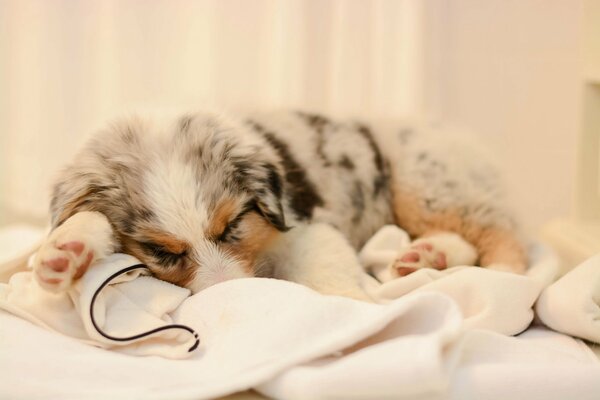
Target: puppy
(203,198)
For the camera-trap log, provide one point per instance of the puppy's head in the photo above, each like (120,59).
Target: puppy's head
(197,199)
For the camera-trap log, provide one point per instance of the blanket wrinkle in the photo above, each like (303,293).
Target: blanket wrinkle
(430,335)
(130,314)
(572,304)
(488,299)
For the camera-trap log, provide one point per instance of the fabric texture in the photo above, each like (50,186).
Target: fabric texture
(434,335)
(572,304)
(251,330)
(294,343)
(488,299)
(130,305)
(479,364)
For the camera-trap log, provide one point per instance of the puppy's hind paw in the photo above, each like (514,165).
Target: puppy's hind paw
(438,251)
(418,255)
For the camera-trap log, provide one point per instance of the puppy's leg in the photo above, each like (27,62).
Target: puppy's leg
(70,249)
(320,257)
(501,250)
(444,181)
(451,236)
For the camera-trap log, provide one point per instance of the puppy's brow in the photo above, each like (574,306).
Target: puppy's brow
(220,217)
(165,241)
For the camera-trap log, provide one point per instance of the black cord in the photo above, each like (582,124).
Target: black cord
(140,335)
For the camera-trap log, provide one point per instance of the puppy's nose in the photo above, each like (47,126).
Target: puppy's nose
(220,277)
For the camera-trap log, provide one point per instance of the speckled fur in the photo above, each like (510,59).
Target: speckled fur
(180,178)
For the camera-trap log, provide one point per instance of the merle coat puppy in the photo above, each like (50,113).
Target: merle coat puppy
(203,198)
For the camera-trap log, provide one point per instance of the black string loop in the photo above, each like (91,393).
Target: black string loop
(143,334)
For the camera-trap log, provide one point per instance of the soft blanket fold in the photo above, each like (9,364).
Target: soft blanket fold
(251,330)
(488,299)
(293,343)
(435,335)
(572,304)
(124,312)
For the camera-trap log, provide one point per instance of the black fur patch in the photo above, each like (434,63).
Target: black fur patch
(346,163)
(358,201)
(303,194)
(318,123)
(315,121)
(382,177)
(274,181)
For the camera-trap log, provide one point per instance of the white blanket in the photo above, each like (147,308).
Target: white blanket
(291,342)
(264,331)
(572,304)
(251,330)
(130,305)
(478,365)
(488,299)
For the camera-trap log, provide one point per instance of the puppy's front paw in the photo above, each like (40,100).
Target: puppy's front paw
(60,261)
(439,251)
(71,248)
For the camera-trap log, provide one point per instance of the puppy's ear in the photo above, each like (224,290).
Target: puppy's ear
(70,196)
(267,187)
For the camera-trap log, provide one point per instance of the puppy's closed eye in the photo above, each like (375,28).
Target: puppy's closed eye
(163,255)
(229,233)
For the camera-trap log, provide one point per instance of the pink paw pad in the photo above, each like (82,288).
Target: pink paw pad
(440,261)
(410,257)
(52,281)
(417,256)
(57,264)
(403,271)
(84,266)
(61,263)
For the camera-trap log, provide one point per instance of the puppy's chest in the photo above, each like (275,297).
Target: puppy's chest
(334,173)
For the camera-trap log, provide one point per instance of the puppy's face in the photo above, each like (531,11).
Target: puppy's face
(197,200)
(196,251)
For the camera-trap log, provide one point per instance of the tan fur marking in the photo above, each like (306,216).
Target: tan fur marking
(495,245)
(498,246)
(132,247)
(165,240)
(178,275)
(257,236)
(220,217)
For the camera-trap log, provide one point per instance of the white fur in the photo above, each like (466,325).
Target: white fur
(180,193)
(171,187)
(319,257)
(90,228)
(215,266)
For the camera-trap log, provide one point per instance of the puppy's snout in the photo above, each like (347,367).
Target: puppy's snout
(215,266)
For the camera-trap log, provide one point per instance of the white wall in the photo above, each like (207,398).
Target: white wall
(509,69)
(504,68)
(67,65)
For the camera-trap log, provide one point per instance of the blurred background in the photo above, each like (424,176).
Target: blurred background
(513,71)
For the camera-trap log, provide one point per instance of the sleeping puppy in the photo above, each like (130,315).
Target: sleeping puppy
(203,198)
